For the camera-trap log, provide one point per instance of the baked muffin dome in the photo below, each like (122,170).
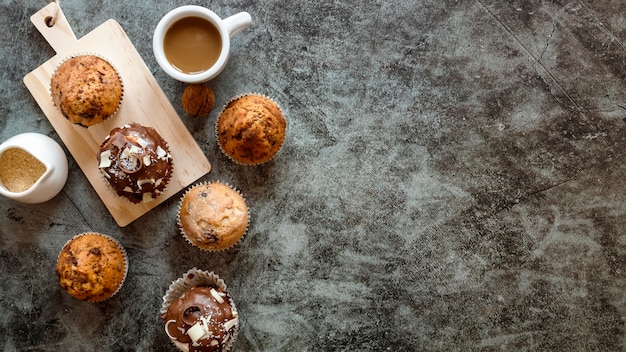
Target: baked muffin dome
(92,267)
(251,129)
(136,162)
(213,216)
(87,90)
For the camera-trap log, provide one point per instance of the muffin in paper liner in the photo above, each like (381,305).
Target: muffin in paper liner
(87,89)
(92,266)
(136,162)
(202,311)
(213,216)
(251,129)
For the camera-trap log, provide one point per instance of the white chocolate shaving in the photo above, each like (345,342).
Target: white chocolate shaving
(104,159)
(147,197)
(230,324)
(162,154)
(217,297)
(146,160)
(146,181)
(105,173)
(142,142)
(198,331)
(167,332)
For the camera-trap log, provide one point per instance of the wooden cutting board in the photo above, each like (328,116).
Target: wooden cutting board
(143,102)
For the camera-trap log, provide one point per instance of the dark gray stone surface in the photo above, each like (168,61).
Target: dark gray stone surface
(452,180)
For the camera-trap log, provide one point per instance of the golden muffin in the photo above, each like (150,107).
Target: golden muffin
(251,129)
(92,267)
(213,216)
(87,90)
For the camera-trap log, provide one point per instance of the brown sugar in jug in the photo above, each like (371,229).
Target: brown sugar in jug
(19,170)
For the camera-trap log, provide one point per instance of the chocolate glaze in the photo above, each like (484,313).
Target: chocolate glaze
(139,163)
(197,303)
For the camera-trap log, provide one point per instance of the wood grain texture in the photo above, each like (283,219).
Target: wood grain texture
(143,102)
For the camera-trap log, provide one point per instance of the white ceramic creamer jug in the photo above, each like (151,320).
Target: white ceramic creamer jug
(33,168)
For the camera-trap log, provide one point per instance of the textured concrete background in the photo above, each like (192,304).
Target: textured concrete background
(452,180)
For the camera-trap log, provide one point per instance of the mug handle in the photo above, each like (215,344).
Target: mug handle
(237,23)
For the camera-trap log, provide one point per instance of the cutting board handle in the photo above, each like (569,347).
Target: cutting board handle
(52,24)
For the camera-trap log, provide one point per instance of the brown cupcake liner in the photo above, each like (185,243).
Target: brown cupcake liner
(78,54)
(196,277)
(182,231)
(119,246)
(219,116)
(166,180)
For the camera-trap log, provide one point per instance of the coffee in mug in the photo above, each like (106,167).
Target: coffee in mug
(192,45)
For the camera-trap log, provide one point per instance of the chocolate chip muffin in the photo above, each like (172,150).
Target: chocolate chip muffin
(213,216)
(251,129)
(87,90)
(92,267)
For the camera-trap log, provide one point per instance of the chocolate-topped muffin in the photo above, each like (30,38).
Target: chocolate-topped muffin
(199,313)
(136,162)
(202,318)
(86,89)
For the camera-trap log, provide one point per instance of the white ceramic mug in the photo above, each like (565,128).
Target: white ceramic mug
(227,29)
(45,150)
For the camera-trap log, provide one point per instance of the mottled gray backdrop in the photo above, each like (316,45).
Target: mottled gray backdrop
(452,180)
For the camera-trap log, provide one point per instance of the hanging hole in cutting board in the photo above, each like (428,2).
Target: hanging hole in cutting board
(51,20)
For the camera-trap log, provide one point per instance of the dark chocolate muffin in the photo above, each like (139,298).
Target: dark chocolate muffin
(136,161)
(199,313)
